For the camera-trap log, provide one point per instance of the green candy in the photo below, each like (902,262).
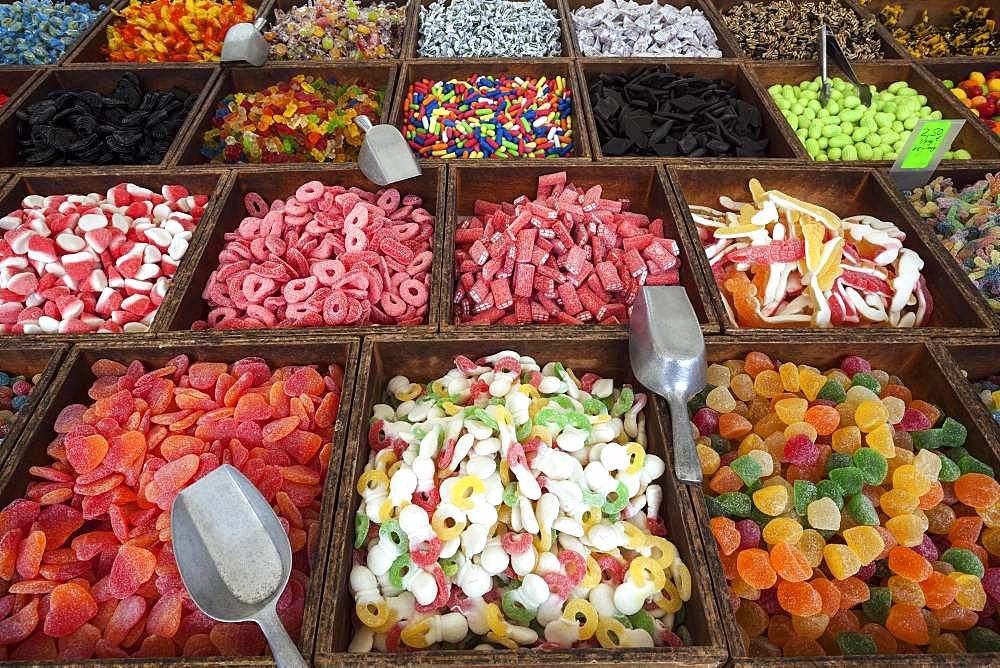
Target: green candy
(837,460)
(550,416)
(735,503)
(624,402)
(522,431)
(481,415)
(861,509)
(850,479)
(854,643)
(832,391)
(747,468)
(964,561)
(697,402)
(361,524)
(614,507)
(516,610)
(593,406)
(400,568)
(866,380)
(969,464)
(578,420)
(592,499)
(979,639)
(953,432)
(876,608)
(950,471)
(510,494)
(449,566)
(830,490)
(803,493)
(874,467)
(642,620)
(715,509)
(391,532)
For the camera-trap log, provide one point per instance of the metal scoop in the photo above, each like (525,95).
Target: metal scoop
(245,43)
(667,351)
(829,47)
(385,156)
(233,555)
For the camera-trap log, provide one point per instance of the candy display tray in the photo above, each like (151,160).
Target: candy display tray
(84,35)
(195,80)
(783,143)
(979,359)
(424,358)
(958,69)
(211,183)
(642,184)
(445,69)
(281,183)
(958,310)
(931,377)
(15,80)
(74,377)
(19,359)
(379,74)
(938,12)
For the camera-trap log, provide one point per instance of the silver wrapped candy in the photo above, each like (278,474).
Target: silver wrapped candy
(489,29)
(628,28)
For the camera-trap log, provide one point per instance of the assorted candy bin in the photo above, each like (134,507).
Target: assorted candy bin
(849,517)
(324,29)
(15,391)
(510,504)
(979,93)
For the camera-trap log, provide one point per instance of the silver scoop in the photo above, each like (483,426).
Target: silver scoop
(385,156)
(829,47)
(667,352)
(233,555)
(245,43)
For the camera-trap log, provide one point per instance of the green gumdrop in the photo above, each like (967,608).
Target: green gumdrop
(832,391)
(928,439)
(980,639)
(697,402)
(747,468)
(861,509)
(964,561)
(866,380)
(837,460)
(759,517)
(716,509)
(874,466)
(830,490)
(953,432)
(719,444)
(876,608)
(803,493)
(361,524)
(955,454)
(969,464)
(950,471)
(753,487)
(849,479)
(736,504)
(854,643)
(642,620)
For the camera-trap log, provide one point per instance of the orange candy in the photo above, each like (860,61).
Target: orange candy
(799,598)
(790,564)
(977,490)
(939,590)
(909,564)
(754,566)
(906,622)
(733,425)
(825,419)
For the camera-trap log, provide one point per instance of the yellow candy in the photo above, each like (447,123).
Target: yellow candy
(387,511)
(637,457)
(709,459)
(644,570)
(450,408)
(750,442)
(542,433)
(789,377)
(495,620)
(590,517)
(391,471)
(669,599)
(501,640)
(593,577)
(635,538)
(971,594)
(771,500)
(865,542)
(782,530)
(898,502)
(681,575)
(371,481)
(811,545)
(801,428)
(372,614)
(841,561)
(609,632)
(881,441)
(529,390)
(870,414)
(503,417)
(909,478)
(410,393)
(465,488)
(445,526)
(662,550)
(811,382)
(791,410)
(578,607)
(415,634)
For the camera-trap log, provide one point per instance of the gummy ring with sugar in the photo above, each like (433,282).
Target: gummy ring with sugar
(415,634)
(372,480)
(662,550)
(507,365)
(516,610)
(389,200)
(636,539)
(616,500)
(440,522)
(309,192)
(391,532)
(372,614)
(255,205)
(560,585)
(593,576)
(378,439)
(643,571)
(495,620)
(427,499)
(400,569)
(612,570)
(426,552)
(515,543)
(610,632)
(577,608)
(574,565)
(669,599)
(637,457)
(465,489)
(443,592)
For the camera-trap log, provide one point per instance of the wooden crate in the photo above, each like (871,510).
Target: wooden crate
(211,183)
(846,192)
(927,375)
(424,358)
(73,379)
(973,137)
(91,49)
(938,11)
(729,48)
(973,360)
(962,176)
(565,51)
(15,80)
(642,184)
(378,74)
(195,80)
(85,34)
(17,359)
(444,69)
(958,70)
(783,143)
(280,183)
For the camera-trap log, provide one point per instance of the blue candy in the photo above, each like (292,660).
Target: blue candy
(38,32)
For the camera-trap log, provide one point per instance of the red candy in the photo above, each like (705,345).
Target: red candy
(327,256)
(92,574)
(567,257)
(73,264)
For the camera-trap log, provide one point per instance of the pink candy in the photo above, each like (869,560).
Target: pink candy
(73,264)
(330,256)
(567,257)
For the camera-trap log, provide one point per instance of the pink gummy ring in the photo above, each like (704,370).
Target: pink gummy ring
(507,365)
(377,438)
(413,292)
(335,308)
(515,543)
(427,552)
(574,565)
(309,192)
(612,570)
(559,584)
(516,456)
(428,500)
(255,205)
(388,201)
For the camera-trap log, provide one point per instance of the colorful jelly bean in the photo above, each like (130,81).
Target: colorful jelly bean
(479,525)
(173,31)
(328,255)
(14,395)
(857,529)
(966,221)
(325,29)
(568,257)
(38,32)
(74,264)
(489,117)
(86,555)
(782,262)
(304,119)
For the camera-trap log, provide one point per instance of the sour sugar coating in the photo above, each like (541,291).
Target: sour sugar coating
(489,117)
(783,262)
(81,263)
(511,503)
(845,129)
(173,31)
(488,29)
(846,524)
(326,29)
(967,222)
(86,555)
(570,256)
(39,32)
(655,30)
(14,395)
(325,256)
(304,119)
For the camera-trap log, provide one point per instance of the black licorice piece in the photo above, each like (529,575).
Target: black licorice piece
(131,126)
(660,113)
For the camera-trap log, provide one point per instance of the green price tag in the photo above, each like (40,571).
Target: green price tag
(926,144)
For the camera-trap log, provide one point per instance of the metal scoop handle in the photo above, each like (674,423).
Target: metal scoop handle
(363,122)
(284,651)
(828,47)
(687,466)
